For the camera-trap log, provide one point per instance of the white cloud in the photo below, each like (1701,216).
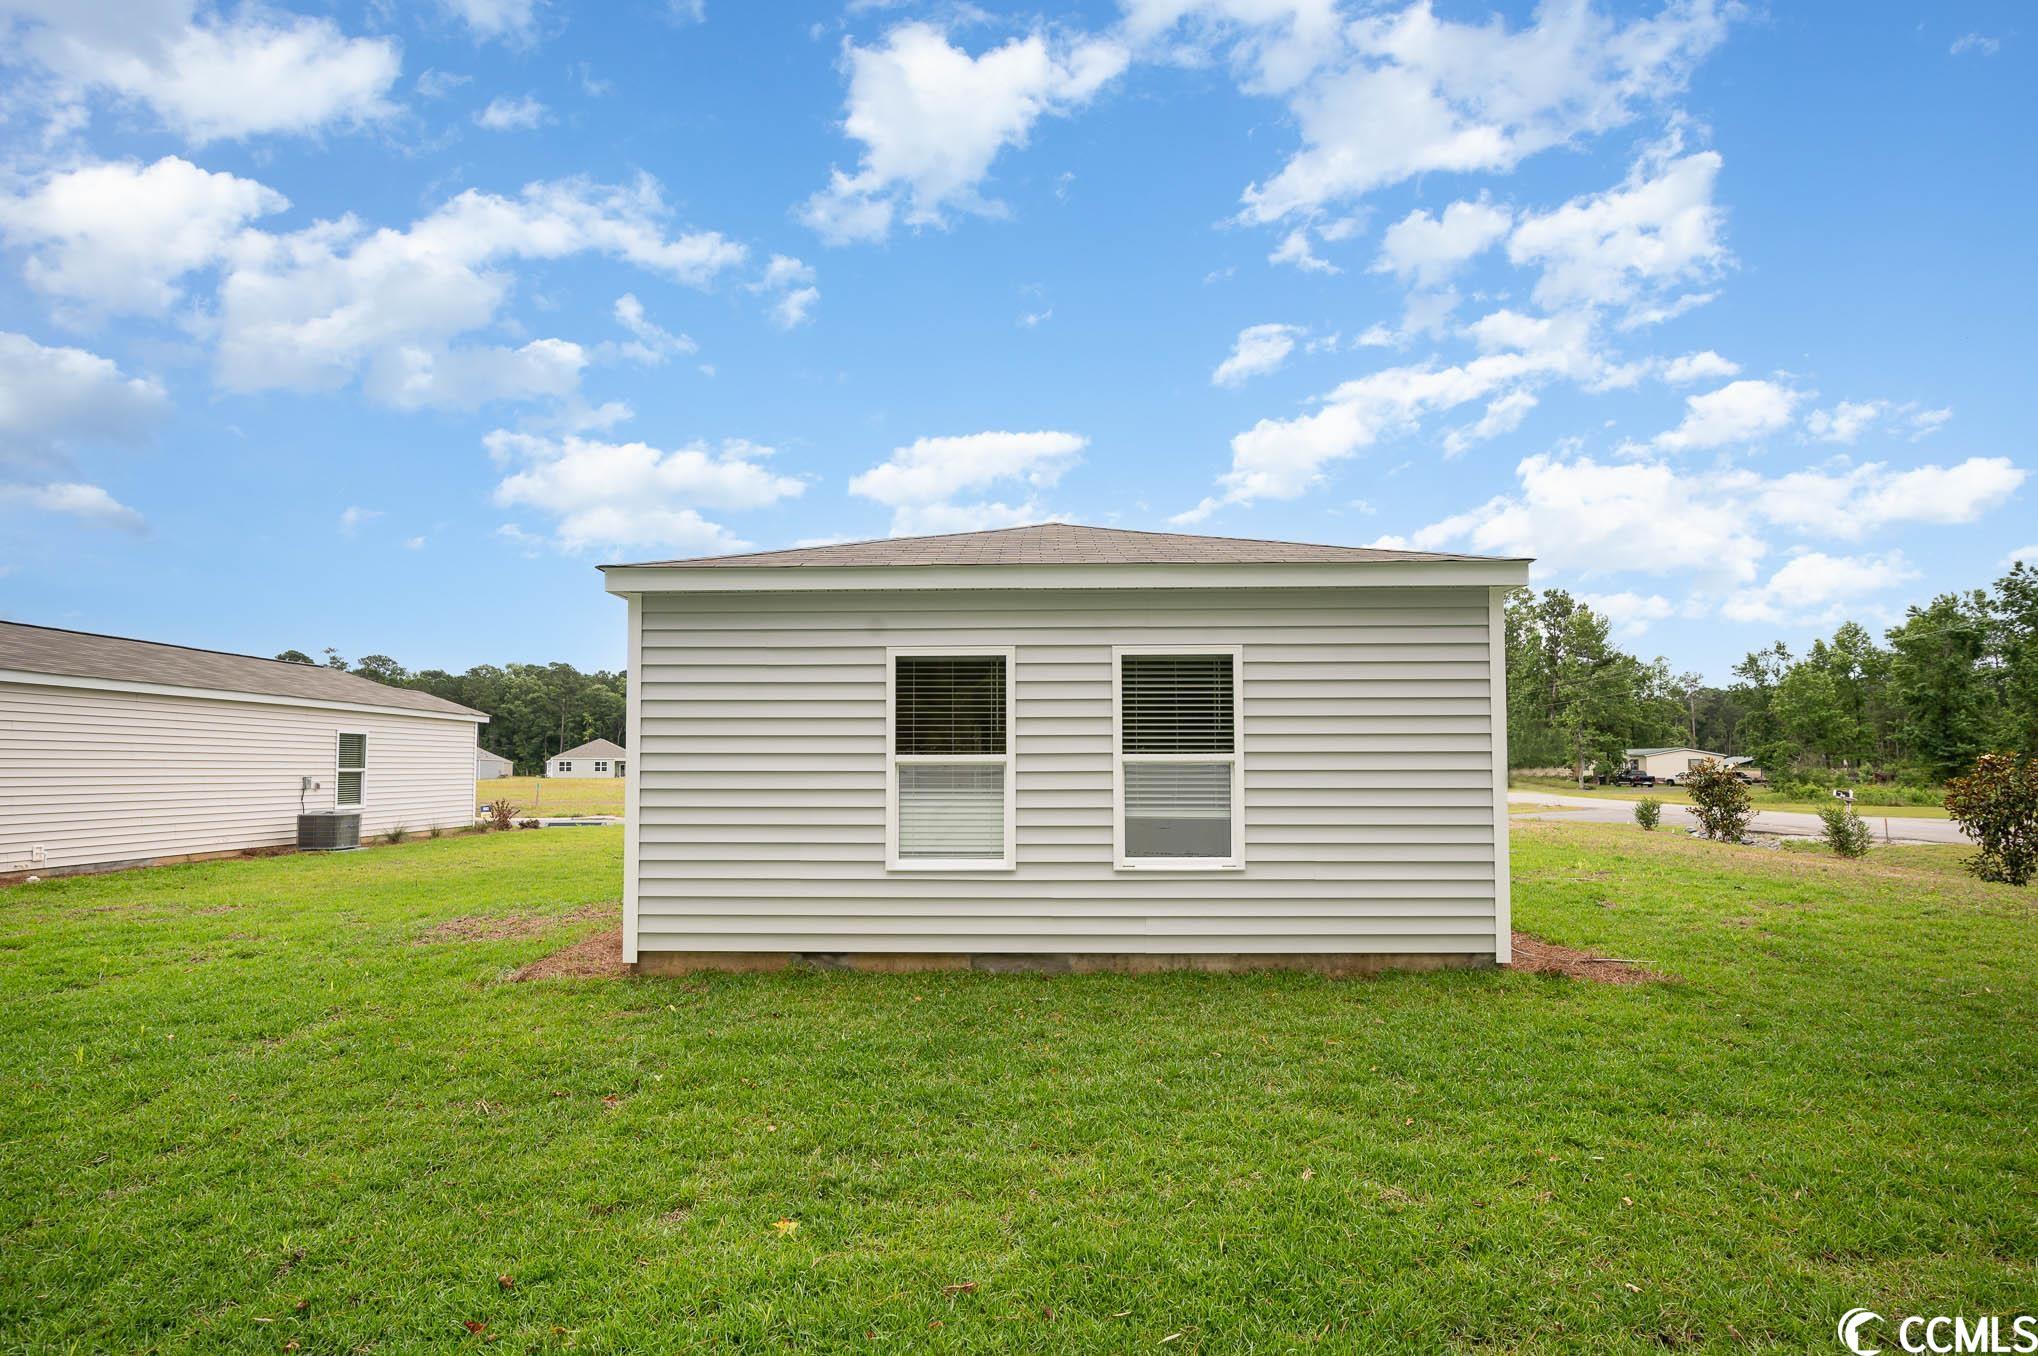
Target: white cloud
(1975,42)
(1845,422)
(1582,516)
(120,237)
(505,114)
(1853,501)
(52,399)
(654,344)
(1295,249)
(622,495)
(1427,249)
(1394,94)
(1629,612)
(513,21)
(1706,366)
(1657,232)
(793,294)
(354,516)
(1284,458)
(413,543)
(1739,412)
(2027,554)
(1258,350)
(88,502)
(1817,587)
(1274,44)
(932,119)
(1503,415)
(211,75)
(437,84)
(317,308)
(920,481)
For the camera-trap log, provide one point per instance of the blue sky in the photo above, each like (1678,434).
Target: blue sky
(379,326)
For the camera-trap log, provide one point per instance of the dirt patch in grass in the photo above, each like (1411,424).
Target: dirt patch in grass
(1538,957)
(596,957)
(495,928)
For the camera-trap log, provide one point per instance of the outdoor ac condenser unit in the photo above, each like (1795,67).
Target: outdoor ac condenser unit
(329,831)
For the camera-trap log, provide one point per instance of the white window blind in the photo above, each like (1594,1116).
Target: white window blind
(1177,703)
(353,766)
(948,811)
(951,766)
(1177,760)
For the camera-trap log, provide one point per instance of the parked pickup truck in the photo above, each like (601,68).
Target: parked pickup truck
(1631,776)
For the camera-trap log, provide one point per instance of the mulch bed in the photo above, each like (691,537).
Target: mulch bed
(1534,956)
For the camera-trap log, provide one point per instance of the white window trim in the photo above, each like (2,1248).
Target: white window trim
(339,737)
(1010,758)
(1236,861)
(601,765)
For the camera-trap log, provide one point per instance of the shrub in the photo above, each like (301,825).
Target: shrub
(1648,812)
(1846,832)
(1719,801)
(1997,806)
(501,814)
(397,833)
(435,831)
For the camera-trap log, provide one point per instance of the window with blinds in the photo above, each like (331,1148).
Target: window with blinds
(1177,762)
(353,769)
(951,764)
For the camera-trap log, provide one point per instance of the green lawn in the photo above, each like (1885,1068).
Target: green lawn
(252,1104)
(1677,795)
(555,795)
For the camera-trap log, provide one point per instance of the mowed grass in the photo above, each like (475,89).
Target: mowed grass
(555,795)
(1677,795)
(250,1104)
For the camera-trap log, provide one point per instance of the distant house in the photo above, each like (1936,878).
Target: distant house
(118,752)
(1671,763)
(488,766)
(596,758)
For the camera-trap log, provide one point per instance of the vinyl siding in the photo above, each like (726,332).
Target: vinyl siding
(1368,740)
(99,777)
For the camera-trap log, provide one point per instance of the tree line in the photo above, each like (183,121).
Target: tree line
(534,710)
(1958,677)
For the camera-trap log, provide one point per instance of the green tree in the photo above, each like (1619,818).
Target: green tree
(1937,683)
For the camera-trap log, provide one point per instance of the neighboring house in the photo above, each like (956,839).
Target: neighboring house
(489,766)
(1670,764)
(1067,746)
(120,752)
(596,758)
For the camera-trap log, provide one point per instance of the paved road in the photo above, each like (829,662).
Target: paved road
(1783,823)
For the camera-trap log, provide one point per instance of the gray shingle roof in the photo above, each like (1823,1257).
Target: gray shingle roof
(82,654)
(1065,544)
(593,748)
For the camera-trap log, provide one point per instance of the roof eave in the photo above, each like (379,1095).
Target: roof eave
(1441,573)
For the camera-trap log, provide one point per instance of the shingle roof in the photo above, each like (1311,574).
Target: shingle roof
(82,654)
(1064,544)
(593,748)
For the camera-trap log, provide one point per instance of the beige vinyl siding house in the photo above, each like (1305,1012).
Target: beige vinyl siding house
(1072,746)
(1672,763)
(596,758)
(488,766)
(120,752)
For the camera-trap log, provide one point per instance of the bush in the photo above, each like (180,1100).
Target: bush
(1648,812)
(501,814)
(1997,805)
(397,833)
(1846,832)
(1719,801)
